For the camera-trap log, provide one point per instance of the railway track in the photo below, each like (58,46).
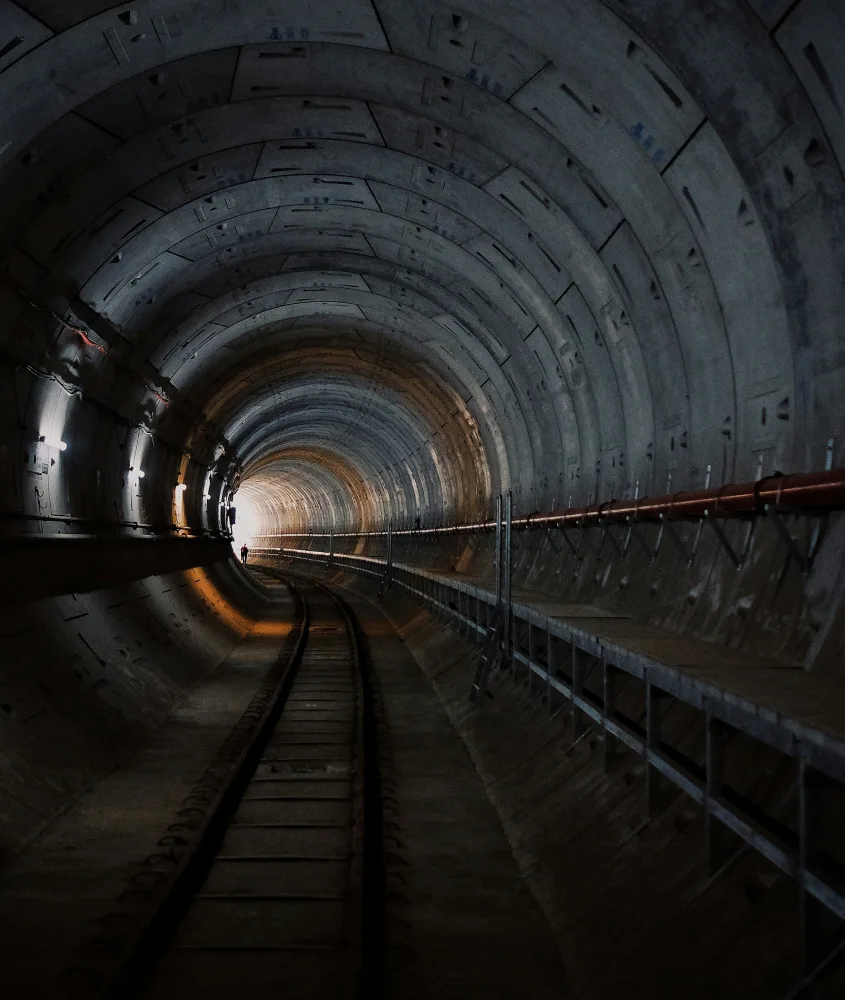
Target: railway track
(275,897)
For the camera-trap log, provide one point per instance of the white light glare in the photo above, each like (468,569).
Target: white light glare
(52,442)
(181,487)
(139,473)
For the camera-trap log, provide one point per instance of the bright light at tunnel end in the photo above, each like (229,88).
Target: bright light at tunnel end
(248,521)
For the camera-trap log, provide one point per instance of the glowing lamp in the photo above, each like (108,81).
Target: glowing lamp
(52,442)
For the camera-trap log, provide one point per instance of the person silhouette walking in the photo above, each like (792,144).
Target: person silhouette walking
(244,553)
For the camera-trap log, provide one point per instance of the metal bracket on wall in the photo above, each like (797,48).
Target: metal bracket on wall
(607,532)
(736,559)
(388,568)
(489,657)
(700,530)
(575,552)
(507,575)
(630,522)
(491,650)
(634,532)
(499,551)
(669,528)
(803,559)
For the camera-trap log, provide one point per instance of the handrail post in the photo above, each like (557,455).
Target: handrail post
(508,554)
(498,552)
(389,553)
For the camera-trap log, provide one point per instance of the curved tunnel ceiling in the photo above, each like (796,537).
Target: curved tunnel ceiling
(380,260)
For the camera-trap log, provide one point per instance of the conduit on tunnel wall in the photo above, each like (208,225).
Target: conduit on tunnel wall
(377,261)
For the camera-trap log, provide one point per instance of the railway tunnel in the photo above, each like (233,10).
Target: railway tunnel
(518,690)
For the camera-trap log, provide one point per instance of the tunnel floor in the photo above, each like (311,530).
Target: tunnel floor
(458,918)
(73,871)
(461,922)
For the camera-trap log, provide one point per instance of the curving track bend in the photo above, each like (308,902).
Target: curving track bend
(273,893)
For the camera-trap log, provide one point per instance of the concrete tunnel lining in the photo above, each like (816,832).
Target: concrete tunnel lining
(560,254)
(344,265)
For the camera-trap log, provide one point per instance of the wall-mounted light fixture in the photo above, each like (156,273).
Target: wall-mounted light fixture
(52,442)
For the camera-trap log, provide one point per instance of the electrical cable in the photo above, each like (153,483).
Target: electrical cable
(71,390)
(91,343)
(77,330)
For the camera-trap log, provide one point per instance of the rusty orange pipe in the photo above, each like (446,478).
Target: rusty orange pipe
(809,492)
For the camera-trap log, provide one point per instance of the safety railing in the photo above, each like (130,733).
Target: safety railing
(570,666)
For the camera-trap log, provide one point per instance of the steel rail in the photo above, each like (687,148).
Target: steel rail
(312,720)
(115,964)
(370,847)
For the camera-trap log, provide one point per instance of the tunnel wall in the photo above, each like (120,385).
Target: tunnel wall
(612,232)
(84,679)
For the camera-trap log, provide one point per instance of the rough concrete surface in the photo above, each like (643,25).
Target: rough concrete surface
(53,893)
(461,922)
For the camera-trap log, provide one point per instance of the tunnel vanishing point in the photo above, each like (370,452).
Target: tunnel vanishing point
(509,338)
